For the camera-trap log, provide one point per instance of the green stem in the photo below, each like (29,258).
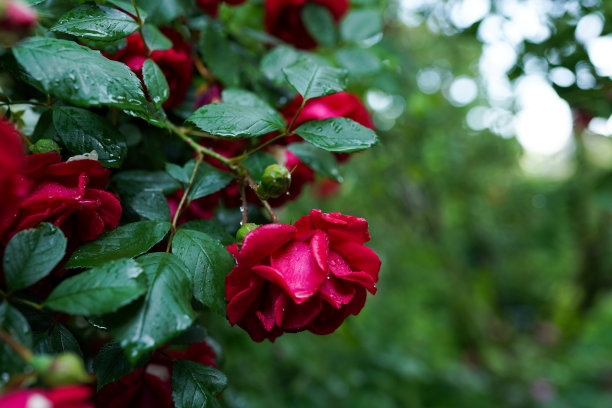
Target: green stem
(243,156)
(288,129)
(140,24)
(197,147)
(183,201)
(17,347)
(265,203)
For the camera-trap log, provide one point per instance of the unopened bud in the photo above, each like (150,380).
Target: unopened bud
(244,230)
(66,368)
(45,146)
(275,181)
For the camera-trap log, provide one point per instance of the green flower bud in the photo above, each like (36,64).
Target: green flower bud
(66,368)
(45,146)
(275,181)
(244,230)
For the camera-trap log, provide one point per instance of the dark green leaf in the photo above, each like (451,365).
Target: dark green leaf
(146,180)
(100,290)
(78,74)
(58,340)
(359,25)
(126,5)
(213,228)
(162,314)
(321,161)
(13,322)
(110,364)
(273,63)
(123,242)
(233,120)
(156,40)
(236,96)
(195,385)
(208,262)
(148,204)
(257,163)
(163,11)
(221,54)
(32,254)
(358,62)
(319,23)
(314,80)
(96,22)
(338,135)
(82,131)
(44,128)
(208,180)
(156,83)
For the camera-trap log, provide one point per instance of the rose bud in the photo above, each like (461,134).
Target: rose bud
(45,146)
(16,21)
(275,181)
(244,230)
(64,369)
(306,276)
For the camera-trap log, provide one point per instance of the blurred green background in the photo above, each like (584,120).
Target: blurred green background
(497,268)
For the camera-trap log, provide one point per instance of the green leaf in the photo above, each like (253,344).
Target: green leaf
(338,135)
(208,263)
(319,23)
(358,62)
(78,74)
(359,25)
(208,180)
(195,385)
(273,63)
(34,2)
(213,228)
(221,54)
(32,254)
(233,120)
(100,290)
(237,96)
(156,40)
(321,161)
(96,22)
(156,83)
(163,11)
(110,364)
(123,242)
(82,131)
(313,80)
(13,322)
(145,180)
(58,340)
(126,5)
(178,172)
(162,314)
(148,204)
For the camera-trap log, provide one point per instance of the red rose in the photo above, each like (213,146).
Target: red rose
(175,63)
(69,195)
(283,19)
(151,386)
(74,396)
(306,276)
(211,7)
(10,163)
(16,21)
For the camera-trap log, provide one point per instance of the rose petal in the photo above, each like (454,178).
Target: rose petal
(299,316)
(336,292)
(263,241)
(241,302)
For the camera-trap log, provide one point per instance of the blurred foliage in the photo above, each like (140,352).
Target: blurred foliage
(495,287)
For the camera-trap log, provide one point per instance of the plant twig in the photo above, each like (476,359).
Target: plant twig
(140,24)
(265,203)
(17,347)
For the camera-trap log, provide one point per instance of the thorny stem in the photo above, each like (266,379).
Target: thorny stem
(179,209)
(140,24)
(19,348)
(197,147)
(265,203)
(245,214)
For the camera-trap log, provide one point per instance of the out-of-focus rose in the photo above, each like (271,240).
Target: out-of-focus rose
(175,63)
(69,195)
(11,150)
(151,386)
(306,276)
(283,19)
(211,94)
(16,21)
(211,7)
(62,397)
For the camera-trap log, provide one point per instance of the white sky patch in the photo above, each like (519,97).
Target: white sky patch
(544,123)
(600,54)
(589,27)
(464,13)
(462,91)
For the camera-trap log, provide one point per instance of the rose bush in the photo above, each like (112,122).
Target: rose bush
(306,276)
